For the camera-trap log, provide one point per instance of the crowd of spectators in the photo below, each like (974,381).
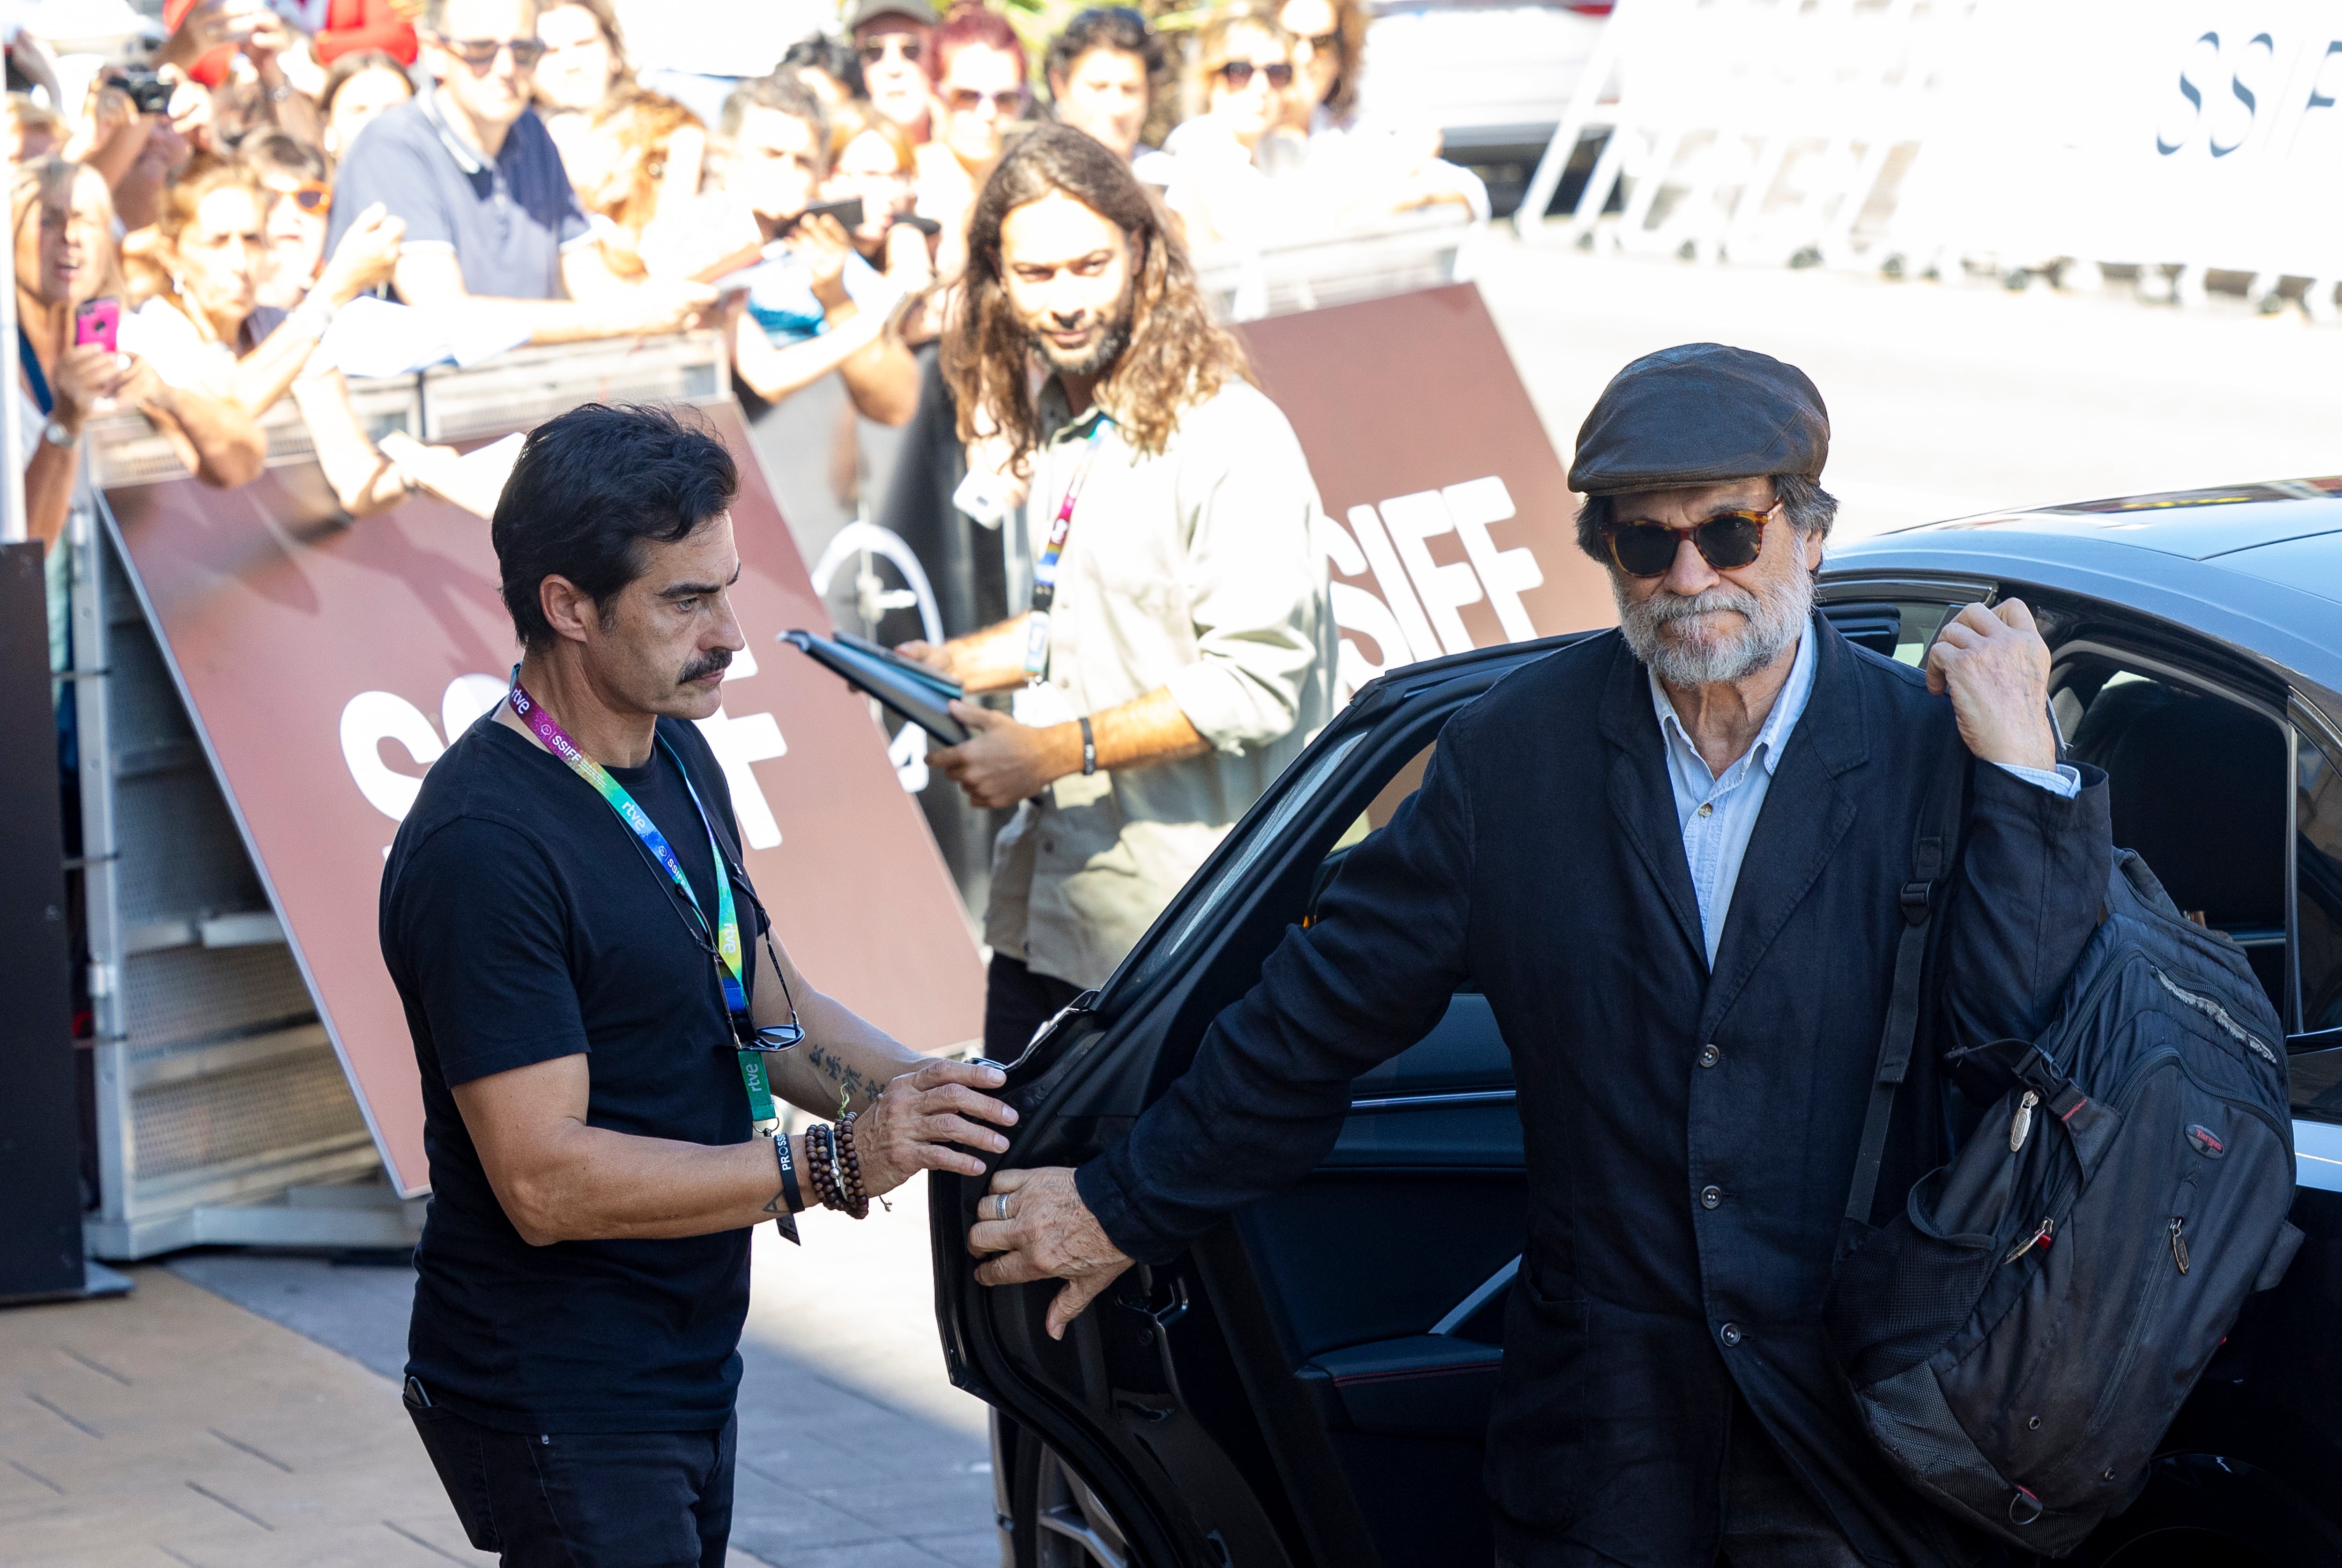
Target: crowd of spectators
(500,167)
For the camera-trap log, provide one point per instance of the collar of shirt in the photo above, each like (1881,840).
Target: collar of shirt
(1689,770)
(1718,816)
(467,156)
(1058,422)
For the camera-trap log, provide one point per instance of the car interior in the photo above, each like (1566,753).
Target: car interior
(1384,1277)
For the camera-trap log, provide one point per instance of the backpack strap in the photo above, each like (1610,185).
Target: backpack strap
(1932,849)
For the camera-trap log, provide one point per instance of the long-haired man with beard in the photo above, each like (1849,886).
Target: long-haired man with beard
(1674,859)
(1178,649)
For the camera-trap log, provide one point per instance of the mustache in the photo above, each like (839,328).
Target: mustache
(704,665)
(1660,609)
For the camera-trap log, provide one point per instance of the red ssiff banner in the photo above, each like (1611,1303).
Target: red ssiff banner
(328,664)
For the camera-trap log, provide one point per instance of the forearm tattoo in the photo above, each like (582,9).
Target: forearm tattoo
(852,1085)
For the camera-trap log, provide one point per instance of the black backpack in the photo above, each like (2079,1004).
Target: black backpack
(2021,1336)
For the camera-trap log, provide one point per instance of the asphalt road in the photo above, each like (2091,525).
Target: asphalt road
(1946,399)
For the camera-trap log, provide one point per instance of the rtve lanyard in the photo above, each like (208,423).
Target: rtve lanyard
(727,944)
(1045,575)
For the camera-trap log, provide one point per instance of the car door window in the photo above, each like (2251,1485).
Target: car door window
(2197,787)
(2317,893)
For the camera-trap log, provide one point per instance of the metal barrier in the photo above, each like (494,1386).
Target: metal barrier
(223,1111)
(1398,257)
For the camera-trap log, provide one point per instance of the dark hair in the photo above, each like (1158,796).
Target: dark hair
(834,58)
(972,21)
(350,66)
(275,152)
(1805,506)
(1117,27)
(594,485)
(783,92)
(1177,356)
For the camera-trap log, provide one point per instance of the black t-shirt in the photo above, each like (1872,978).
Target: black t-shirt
(522,921)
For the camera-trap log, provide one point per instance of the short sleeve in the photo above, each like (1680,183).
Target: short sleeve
(478,913)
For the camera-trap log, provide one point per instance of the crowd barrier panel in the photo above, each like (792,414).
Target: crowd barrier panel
(1758,130)
(222,1112)
(1399,255)
(2175,140)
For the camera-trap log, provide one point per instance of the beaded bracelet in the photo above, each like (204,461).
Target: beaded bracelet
(821,1164)
(849,1171)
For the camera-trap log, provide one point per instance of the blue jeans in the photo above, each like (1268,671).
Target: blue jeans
(586,1500)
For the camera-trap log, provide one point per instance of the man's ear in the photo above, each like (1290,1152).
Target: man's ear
(566,608)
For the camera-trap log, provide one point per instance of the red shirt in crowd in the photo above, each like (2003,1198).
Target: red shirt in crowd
(352,26)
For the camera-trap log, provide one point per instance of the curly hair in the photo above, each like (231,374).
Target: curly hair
(1178,357)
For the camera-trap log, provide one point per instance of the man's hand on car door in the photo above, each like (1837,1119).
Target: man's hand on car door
(1037,1224)
(1996,668)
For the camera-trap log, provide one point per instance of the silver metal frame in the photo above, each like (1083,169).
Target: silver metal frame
(226,1113)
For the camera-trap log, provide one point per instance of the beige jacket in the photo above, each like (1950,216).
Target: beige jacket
(1195,570)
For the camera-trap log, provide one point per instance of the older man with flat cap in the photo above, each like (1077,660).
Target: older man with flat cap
(1670,857)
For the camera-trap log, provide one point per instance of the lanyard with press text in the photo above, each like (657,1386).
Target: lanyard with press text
(723,941)
(1045,575)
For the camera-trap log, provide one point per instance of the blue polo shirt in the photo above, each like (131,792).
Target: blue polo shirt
(509,220)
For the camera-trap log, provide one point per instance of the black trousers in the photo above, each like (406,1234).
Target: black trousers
(1770,1520)
(1016,1002)
(586,1500)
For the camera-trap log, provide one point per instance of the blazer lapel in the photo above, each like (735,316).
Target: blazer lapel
(1642,801)
(1807,811)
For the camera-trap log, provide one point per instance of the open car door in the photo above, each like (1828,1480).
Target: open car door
(1309,1382)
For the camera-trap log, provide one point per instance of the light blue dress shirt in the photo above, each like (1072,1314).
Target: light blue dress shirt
(1718,813)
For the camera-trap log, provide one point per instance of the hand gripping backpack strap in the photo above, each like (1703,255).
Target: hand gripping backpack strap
(1932,850)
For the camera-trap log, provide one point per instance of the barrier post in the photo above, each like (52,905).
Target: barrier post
(12,438)
(40,1225)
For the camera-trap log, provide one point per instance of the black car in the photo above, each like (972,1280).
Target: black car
(1309,1382)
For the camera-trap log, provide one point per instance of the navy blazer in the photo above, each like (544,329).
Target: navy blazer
(1542,860)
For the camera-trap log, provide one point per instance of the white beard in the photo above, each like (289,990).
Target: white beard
(1700,655)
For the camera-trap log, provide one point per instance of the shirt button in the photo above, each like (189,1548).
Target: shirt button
(1709,1055)
(1706,808)
(1710,1196)
(1729,1334)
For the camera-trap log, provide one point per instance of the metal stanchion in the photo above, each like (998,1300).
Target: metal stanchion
(12,436)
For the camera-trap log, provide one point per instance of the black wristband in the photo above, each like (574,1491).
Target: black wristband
(791,1194)
(1089,749)
(792,1201)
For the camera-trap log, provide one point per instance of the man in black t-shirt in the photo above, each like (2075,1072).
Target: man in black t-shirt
(555,914)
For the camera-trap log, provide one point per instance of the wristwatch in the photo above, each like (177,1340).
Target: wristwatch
(56,434)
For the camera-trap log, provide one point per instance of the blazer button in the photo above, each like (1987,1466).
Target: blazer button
(1709,1055)
(1710,1196)
(1729,1334)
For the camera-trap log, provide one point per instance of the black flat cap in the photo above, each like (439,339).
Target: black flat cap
(1700,413)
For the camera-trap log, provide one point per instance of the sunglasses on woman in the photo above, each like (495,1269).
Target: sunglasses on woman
(309,195)
(902,44)
(1725,541)
(966,99)
(480,54)
(1237,74)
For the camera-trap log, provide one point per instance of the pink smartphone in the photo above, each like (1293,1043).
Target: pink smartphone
(95,323)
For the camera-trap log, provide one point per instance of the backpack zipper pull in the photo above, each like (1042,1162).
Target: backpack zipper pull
(2022,1123)
(2179,1242)
(2042,1237)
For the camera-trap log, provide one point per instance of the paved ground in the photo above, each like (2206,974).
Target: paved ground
(240,1410)
(254,1421)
